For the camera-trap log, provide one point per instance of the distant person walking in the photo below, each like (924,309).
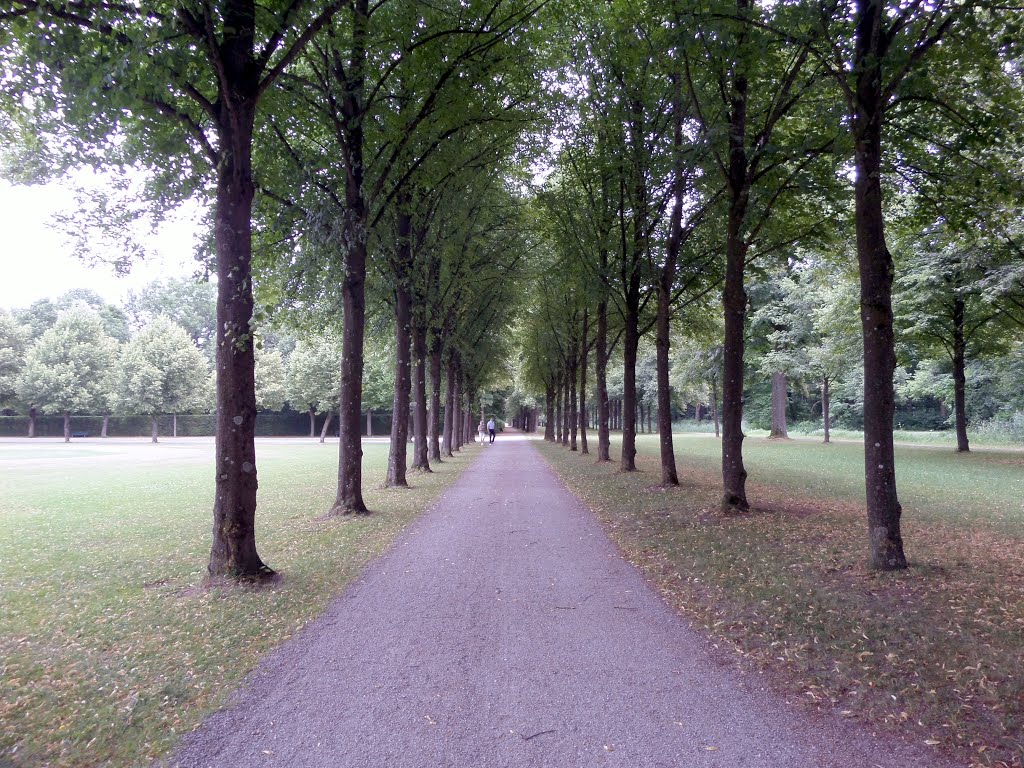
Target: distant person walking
(490,428)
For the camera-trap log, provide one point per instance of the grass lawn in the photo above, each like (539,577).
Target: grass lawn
(110,648)
(934,652)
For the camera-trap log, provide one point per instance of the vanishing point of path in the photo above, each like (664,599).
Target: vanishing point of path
(504,630)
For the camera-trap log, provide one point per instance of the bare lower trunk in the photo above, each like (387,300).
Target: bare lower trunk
(583,384)
(549,413)
(312,421)
(434,411)
(448,439)
(327,425)
(960,377)
(67,426)
(155,432)
(558,411)
(32,422)
(419,390)
(106,424)
(714,407)
(825,396)
(398,451)
(780,401)
(629,402)
(876,275)
(369,422)
(669,476)
(233,552)
(574,417)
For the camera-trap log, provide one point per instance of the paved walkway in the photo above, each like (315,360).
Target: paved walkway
(505,631)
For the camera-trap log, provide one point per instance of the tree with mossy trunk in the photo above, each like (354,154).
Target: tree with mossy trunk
(160,371)
(180,87)
(66,370)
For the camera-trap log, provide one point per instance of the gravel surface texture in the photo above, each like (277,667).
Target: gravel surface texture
(504,630)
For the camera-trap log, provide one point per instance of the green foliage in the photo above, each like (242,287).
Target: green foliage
(271,387)
(161,371)
(13,344)
(313,376)
(66,370)
(190,304)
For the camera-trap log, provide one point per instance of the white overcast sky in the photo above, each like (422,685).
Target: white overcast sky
(36,262)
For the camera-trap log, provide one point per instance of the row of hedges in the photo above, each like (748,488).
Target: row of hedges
(285,423)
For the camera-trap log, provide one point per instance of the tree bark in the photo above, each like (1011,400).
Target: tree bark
(566,410)
(402,267)
(312,421)
(960,377)
(32,421)
(419,388)
(631,341)
(558,411)
(825,406)
(349,498)
(714,406)
(583,384)
(549,412)
(434,411)
(233,552)
(573,412)
(327,425)
(734,297)
(448,438)
(67,426)
(106,424)
(155,429)
(780,401)
(876,275)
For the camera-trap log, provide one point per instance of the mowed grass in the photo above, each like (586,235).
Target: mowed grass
(110,647)
(934,653)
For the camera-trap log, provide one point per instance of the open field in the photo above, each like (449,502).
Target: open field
(110,646)
(933,653)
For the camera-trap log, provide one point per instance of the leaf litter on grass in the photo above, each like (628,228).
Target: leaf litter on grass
(932,652)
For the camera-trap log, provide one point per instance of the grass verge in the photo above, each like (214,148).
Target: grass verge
(933,652)
(110,648)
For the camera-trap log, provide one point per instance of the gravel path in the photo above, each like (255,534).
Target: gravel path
(504,630)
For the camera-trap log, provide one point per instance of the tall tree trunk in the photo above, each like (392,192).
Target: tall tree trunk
(434,415)
(233,551)
(583,383)
(780,402)
(825,405)
(106,424)
(960,376)
(448,439)
(714,406)
(573,413)
(669,476)
(549,412)
(558,411)
(155,434)
(629,402)
(32,421)
(459,435)
(734,296)
(349,498)
(398,458)
(174,426)
(419,389)
(312,421)
(327,425)
(566,410)
(876,275)
(369,422)
(601,373)
(67,426)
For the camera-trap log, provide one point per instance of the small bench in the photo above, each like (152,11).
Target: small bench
(79,434)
